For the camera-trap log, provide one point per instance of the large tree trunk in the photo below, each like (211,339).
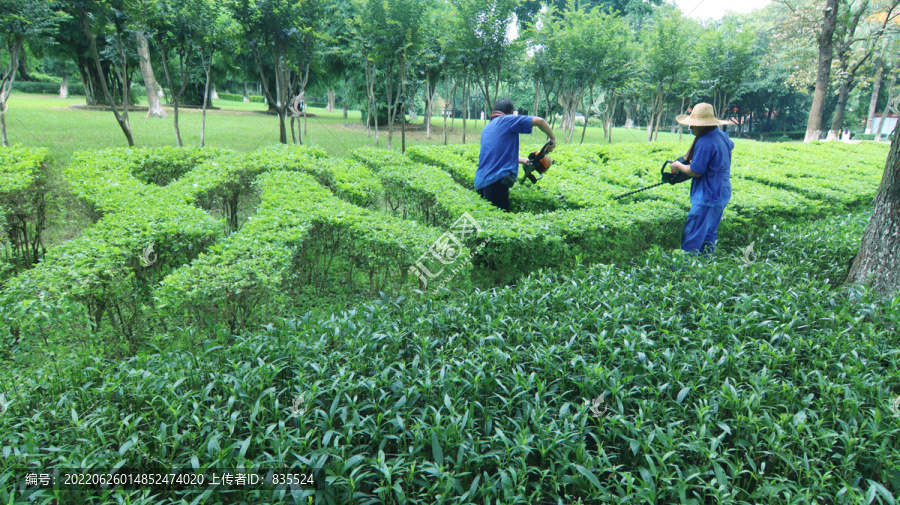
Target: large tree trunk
(814,125)
(331,96)
(154,108)
(246,96)
(877,262)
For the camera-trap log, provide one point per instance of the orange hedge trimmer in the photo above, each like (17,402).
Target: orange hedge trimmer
(539,162)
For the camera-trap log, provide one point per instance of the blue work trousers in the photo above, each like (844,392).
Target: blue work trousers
(701,228)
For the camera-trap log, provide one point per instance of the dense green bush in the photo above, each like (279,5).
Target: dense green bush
(671,380)
(24,188)
(301,235)
(235,97)
(46,88)
(99,285)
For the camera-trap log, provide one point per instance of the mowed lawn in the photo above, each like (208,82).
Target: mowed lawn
(48,121)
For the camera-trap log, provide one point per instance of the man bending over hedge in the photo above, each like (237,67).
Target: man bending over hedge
(498,162)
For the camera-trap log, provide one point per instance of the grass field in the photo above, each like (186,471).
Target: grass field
(48,121)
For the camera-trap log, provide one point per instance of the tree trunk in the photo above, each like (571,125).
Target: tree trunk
(877,262)
(586,113)
(389,86)
(876,88)
(246,96)
(154,108)
(212,94)
(837,120)
(122,119)
(9,77)
(629,121)
(402,99)
(447,106)
(331,97)
(429,97)
(64,86)
(207,67)
(466,102)
(814,125)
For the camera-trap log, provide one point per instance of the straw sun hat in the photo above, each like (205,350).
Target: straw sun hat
(701,115)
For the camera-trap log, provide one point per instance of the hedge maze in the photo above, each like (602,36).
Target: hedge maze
(222,240)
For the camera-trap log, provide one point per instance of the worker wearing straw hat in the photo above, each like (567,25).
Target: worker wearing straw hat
(708,161)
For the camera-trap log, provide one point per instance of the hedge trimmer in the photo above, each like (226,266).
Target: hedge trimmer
(539,162)
(667,178)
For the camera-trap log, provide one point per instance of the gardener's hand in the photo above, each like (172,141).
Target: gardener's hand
(677,166)
(552,142)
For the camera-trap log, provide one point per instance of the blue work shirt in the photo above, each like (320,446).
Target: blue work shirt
(500,149)
(712,160)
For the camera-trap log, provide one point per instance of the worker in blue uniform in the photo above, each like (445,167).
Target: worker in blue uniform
(709,163)
(498,161)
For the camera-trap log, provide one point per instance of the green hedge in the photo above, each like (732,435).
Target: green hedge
(99,284)
(235,97)
(668,381)
(301,235)
(517,243)
(24,188)
(522,197)
(46,88)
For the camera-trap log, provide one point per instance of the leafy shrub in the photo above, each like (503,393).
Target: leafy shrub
(23,204)
(235,97)
(301,235)
(46,88)
(522,197)
(666,381)
(99,284)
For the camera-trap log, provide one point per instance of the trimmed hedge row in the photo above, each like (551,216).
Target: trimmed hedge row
(225,181)
(522,242)
(24,179)
(522,197)
(300,235)
(46,88)
(236,97)
(102,281)
(830,171)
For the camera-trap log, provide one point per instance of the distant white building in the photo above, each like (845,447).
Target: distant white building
(890,122)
